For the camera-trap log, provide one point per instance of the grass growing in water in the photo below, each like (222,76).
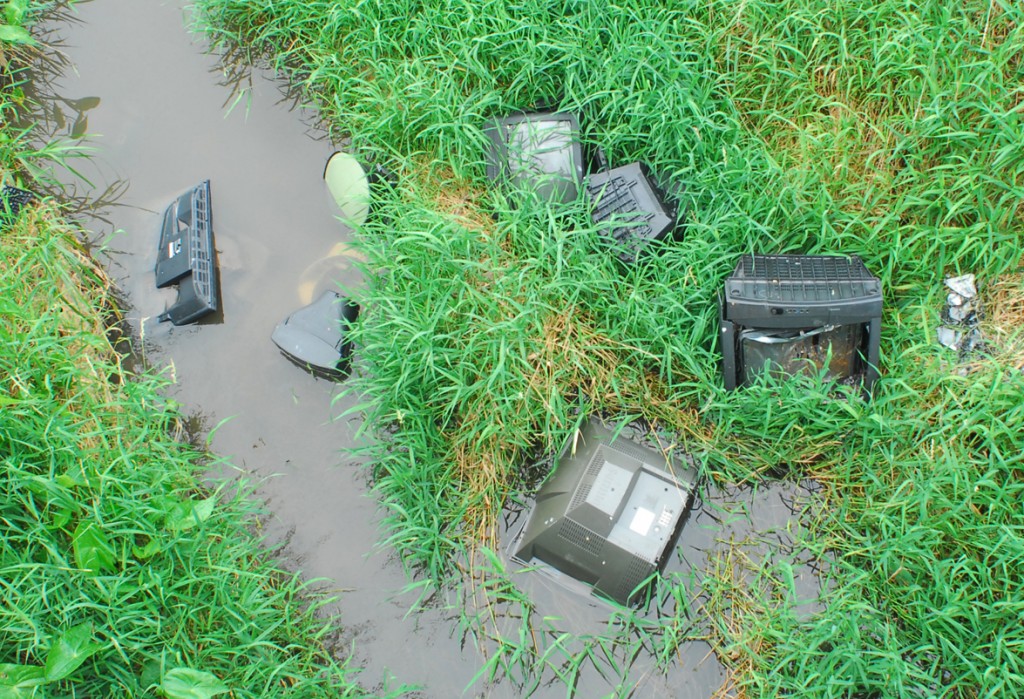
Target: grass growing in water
(119,575)
(891,130)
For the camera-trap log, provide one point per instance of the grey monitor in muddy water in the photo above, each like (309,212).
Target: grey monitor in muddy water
(186,256)
(316,336)
(604,521)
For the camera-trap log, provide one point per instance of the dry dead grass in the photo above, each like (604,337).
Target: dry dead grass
(1003,321)
(453,197)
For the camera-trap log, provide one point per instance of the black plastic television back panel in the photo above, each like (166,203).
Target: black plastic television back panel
(792,311)
(629,200)
(537,152)
(316,337)
(186,256)
(12,200)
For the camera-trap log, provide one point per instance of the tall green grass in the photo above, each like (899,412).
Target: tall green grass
(120,574)
(114,558)
(890,130)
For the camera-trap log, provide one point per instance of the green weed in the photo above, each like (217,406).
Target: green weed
(120,576)
(890,130)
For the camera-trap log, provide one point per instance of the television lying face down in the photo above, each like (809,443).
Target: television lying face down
(605,521)
(536,155)
(632,209)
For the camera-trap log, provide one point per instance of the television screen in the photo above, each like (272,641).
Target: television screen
(539,154)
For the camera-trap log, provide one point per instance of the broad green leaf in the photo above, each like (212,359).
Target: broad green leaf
(14,12)
(186,683)
(93,551)
(71,650)
(150,674)
(19,680)
(60,519)
(185,515)
(204,508)
(147,551)
(15,35)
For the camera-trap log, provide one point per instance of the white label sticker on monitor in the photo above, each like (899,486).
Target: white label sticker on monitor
(642,521)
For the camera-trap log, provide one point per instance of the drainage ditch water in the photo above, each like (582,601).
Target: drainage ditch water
(162,117)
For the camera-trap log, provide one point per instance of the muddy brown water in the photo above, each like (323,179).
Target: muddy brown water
(162,116)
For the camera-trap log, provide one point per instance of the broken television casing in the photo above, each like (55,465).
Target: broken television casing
(537,153)
(12,201)
(795,313)
(605,520)
(634,207)
(186,256)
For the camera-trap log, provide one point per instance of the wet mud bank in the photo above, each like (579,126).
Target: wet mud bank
(162,115)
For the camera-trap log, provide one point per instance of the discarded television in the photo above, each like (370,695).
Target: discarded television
(12,200)
(316,337)
(636,210)
(349,185)
(604,521)
(795,313)
(186,256)
(537,153)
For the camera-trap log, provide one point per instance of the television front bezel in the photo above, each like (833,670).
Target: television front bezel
(498,168)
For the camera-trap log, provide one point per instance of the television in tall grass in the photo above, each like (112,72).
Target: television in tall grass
(605,520)
(536,155)
(631,208)
(788,314)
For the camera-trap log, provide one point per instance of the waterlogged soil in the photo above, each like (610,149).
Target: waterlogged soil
(162,115)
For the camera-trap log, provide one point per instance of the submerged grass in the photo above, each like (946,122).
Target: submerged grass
(120,574)
(891,130)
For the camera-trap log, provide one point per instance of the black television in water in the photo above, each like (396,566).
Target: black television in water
(186,257)
(537,154)
(789,314)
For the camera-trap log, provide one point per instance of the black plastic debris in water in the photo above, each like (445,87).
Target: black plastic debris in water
(793,312)
(538,153)
(186,256)
(316,336)
(629,199)
(12,200)
(604,521)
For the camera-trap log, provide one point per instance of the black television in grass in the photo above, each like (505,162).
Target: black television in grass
(537,154)
(793,313)
(12,201)
(605,520)
(186,256)
(632,209)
